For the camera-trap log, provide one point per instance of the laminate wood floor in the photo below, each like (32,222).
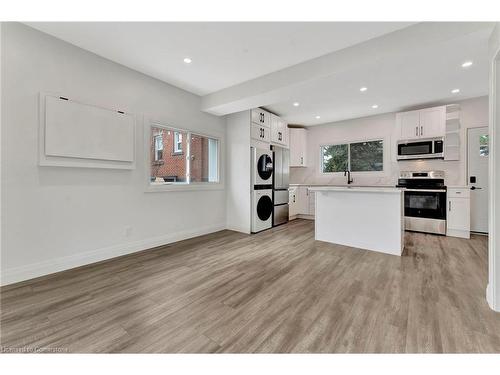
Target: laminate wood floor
(278,291)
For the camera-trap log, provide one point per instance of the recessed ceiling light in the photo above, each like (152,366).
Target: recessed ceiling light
(296,104)
(318,117)
(455,91)
(188,60)
(363,89)
(466,64)
(375,106)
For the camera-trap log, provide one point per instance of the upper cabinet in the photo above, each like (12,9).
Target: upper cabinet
(261,117)
(279,131)
(423,123)
(298,145)
(433,122)
(260,127)
(268,128)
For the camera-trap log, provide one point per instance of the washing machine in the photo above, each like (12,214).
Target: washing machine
(262,209)
(262,167)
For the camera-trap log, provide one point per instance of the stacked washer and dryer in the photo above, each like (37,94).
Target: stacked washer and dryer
(262,189)
(270,172)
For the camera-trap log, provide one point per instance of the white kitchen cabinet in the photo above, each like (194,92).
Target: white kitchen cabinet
(303,200)
(298,146)
(458,212)
(293,205)
(260,133)
(312,202)
(433,122)
(408,123)
(279,131)
(261,117)
(423,123)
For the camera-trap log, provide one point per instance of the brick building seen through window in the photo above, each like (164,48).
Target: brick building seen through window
(168,155)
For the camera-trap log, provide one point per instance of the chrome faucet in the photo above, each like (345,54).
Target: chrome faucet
(347,173)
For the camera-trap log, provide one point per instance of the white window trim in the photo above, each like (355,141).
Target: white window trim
(179,186)
(178,150)
(157,149)
(383,172)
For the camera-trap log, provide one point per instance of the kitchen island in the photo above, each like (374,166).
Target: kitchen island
(370,218)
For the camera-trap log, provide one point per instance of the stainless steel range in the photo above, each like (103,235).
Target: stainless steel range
(425,201)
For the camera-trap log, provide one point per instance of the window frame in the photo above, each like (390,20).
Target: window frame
(188,184)
(156,150)
(348,143)
(178,150)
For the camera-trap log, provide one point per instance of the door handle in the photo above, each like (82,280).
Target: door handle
(421,130)
(416,131)
(449,205)
(475,188)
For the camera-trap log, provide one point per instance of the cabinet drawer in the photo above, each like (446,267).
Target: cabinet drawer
(458,193)
(260,133)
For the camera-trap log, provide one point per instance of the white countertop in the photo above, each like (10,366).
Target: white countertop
(340,185)
(356,189)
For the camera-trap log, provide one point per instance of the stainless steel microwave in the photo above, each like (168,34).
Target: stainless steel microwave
(430,148)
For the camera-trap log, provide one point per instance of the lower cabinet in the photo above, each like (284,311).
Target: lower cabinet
(301,202)
(292,202)
(458,212)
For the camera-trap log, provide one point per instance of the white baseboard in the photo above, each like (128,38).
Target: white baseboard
(305,217)
(237,229)
(458,233)
(30,271)
(489,299)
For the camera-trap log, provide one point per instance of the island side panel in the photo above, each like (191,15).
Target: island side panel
(366,220)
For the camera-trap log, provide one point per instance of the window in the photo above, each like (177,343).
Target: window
(483,145)
(334,158)
(177,142)
(357,156)
(193,158)
(367,156)
(203,159)
(158,147)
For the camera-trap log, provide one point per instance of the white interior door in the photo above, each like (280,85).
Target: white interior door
(478,156)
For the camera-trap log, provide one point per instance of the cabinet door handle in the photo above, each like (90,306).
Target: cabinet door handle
(421,130)
(263,133)
(416,131)
(301,160)
(449,206)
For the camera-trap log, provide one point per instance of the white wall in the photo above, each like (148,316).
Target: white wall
(238,172)
(474,113)
(56,218)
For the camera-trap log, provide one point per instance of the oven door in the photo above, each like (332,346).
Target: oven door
(422,203)
(415,150)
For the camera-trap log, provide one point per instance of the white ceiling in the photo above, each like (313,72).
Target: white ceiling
(223,54)
(238,66)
